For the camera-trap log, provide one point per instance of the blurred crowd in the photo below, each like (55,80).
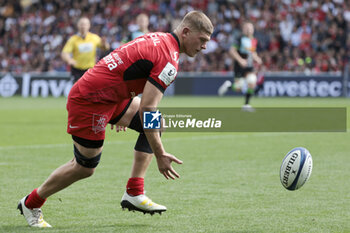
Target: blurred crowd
(293,35)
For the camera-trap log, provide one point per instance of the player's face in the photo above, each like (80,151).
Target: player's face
(248,29)
(194,42)
(143,22)
(83,26)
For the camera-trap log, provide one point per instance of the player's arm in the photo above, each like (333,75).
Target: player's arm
(256,58)
(235,55)
(150,99)
(68,58)
(66,53)
(104,44)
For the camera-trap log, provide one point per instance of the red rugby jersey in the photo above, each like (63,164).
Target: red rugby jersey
(123,73)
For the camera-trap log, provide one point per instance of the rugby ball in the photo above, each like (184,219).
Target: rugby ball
(296,168)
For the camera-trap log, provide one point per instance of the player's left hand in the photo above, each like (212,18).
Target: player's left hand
(105,43)
(164,165)
(119,128)
(259,61)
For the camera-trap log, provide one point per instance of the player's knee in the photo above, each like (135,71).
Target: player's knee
(142,144)
(251,80)
(136,123)
(88,172)
(84,172)
(89,163)
(238,85)
(237,88)
(128,112)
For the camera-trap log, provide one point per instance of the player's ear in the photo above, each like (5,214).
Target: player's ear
(185,31)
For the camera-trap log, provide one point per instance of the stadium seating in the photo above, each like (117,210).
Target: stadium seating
(305,36)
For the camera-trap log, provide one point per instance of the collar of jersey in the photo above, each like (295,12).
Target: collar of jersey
(83,37)
(176,38)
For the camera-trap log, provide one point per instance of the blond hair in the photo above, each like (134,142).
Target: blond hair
(197,21)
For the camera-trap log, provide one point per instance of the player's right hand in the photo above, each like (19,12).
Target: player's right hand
(243,63)
(164,165)
(72,62)
(118,128)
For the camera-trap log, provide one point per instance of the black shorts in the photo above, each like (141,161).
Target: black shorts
(77,73)
(241,72)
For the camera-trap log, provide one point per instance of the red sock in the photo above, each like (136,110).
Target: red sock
(135,186)
(34,200)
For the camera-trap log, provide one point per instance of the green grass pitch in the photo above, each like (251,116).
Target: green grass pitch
(229,181)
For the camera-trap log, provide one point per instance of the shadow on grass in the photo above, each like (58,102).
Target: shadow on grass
(118,227)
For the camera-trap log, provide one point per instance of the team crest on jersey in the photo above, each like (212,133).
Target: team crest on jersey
(168,74)
(99,123)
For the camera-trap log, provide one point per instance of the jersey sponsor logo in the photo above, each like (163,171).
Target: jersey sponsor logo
(112,60)
(168,74)
(85,47)
(99,123)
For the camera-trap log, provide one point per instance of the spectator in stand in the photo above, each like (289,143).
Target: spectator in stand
(33,29)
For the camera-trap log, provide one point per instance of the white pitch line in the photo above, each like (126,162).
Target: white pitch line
(43,146)
(37,146)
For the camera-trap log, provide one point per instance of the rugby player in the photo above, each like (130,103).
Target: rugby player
(107,93)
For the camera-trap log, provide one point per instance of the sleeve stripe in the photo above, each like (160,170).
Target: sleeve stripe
(154,82)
